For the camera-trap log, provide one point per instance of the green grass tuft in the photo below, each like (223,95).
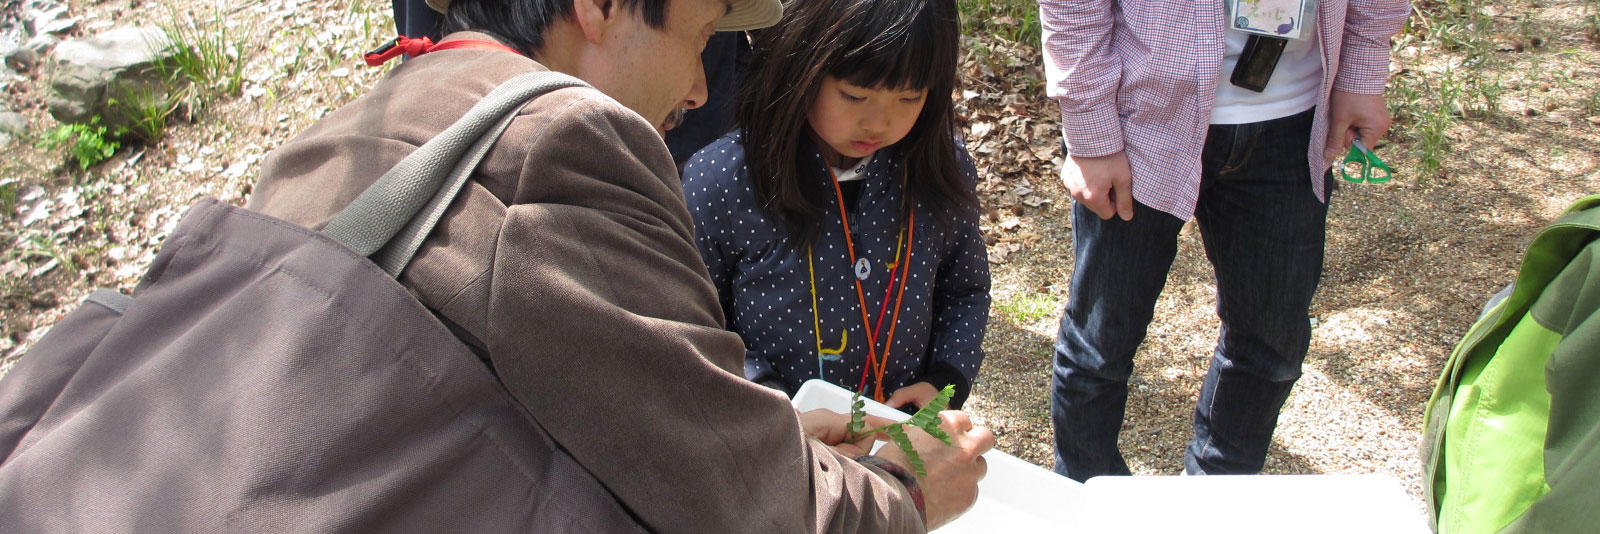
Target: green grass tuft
(1028,308)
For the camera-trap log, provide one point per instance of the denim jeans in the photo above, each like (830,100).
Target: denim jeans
(1264,230)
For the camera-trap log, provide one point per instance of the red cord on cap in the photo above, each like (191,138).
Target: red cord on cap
(422,45)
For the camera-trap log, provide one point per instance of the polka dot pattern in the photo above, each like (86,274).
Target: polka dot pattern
(765,287)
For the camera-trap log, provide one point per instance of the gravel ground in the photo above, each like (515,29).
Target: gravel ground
(1409,263)
(1408,268)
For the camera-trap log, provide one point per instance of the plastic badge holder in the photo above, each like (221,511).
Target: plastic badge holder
(1015,496)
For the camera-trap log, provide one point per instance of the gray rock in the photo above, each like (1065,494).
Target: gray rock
(12,127)
(11,35)
(51,20)
(42,44)
(22,59)
(13,123)
(88,72)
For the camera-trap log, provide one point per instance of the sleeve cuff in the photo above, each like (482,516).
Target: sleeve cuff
(1091,132)
(901,475)
(1363,70)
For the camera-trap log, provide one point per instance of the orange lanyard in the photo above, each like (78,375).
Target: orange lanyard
(875,364)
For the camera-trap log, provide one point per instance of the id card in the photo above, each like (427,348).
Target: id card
(1275,18)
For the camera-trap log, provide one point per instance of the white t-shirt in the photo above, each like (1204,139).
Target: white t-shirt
(855,172)
(1295,84)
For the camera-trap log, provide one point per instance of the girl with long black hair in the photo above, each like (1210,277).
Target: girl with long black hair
(839,221)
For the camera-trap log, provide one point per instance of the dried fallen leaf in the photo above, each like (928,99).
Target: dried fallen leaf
(980,130)
(997,255)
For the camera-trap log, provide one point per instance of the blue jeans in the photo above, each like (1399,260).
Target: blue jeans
(1264,230)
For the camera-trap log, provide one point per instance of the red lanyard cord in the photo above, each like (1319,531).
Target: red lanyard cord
(875,365)
(903,267)
(423,45)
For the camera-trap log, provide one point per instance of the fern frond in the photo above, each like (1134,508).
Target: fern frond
(927,418)
(898,435)
(858,415)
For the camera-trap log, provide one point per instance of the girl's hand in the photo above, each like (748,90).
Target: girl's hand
(917,395)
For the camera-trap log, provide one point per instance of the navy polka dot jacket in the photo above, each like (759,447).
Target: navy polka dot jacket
(765,285)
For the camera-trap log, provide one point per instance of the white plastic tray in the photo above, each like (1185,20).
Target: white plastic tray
(1251,504)
(1018,496)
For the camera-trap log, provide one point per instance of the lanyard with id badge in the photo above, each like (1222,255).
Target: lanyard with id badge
(1271,24)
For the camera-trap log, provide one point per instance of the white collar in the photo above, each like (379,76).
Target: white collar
(856,172)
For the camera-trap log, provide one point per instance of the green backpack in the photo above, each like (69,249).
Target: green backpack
(1512,440)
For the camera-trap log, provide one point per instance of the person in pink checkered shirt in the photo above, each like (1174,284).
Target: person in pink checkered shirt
(1172,110)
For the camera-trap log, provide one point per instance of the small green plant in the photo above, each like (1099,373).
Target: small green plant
(89,144)
(1591,102)
(1028,308)
(1425,108)
(926,418)
(206,55)
(1591,21)
(1433,142)
(8,196)
(46,247)
(1014,20)
(148,109)
(1486,91)
(1462,26)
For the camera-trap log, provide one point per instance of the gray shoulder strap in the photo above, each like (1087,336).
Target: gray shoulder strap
(111,298)
(389,220)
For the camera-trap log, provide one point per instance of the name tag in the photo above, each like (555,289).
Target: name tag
(1274,18)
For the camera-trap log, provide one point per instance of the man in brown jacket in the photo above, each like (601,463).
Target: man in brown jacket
(568,264)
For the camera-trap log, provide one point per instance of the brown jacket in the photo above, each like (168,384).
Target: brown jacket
(569,261)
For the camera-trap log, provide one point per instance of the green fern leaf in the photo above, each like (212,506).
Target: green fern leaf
(858,415)
(927,418)
(898,435)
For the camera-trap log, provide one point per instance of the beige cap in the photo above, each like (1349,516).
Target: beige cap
(745,15)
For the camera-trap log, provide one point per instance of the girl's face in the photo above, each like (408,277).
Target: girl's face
(852,122)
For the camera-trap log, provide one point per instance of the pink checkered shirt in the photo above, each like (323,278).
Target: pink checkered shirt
(1140,76)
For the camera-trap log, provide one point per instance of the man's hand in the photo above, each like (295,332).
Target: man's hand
(953,470)
(830,428)
(1103,184)
(917,395)
(1349,113)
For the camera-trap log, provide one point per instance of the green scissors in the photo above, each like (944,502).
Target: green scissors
(1364,164)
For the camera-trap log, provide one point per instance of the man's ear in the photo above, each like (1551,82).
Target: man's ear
(595,17)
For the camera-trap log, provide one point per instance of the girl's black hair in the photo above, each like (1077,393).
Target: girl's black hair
(893,44)
(521,23)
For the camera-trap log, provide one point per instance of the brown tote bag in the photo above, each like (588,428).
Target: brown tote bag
(265,377)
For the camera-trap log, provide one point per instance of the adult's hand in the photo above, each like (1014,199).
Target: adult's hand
(918,395)
(1102,183)
(951,485)
(1349,113)
(831,429)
